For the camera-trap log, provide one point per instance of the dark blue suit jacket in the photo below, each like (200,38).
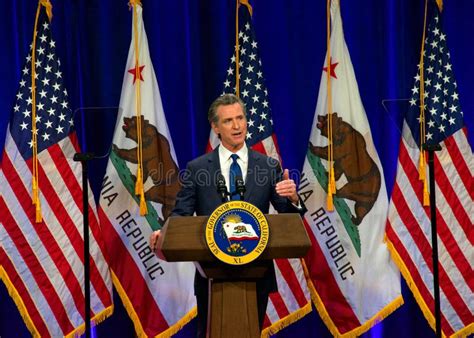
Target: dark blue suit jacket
(199,194)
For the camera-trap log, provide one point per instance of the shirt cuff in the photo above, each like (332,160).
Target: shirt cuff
(297,205)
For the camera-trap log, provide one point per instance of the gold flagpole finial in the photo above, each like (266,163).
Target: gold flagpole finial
(132,3)
(49,8)
(247,4)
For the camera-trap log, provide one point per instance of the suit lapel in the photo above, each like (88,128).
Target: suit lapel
(251,174)
(214,165)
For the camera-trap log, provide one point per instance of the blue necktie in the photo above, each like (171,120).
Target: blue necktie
(234,171)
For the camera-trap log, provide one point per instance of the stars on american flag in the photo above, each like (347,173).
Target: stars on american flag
(54,117)
(252,87)
(443,114)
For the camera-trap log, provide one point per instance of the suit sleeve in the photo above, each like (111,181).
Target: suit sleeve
(283,204)
(186,198)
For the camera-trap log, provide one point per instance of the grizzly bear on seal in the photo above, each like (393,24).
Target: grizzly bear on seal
(157,163)
(351,159)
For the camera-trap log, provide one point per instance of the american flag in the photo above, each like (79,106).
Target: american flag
(409,225)
(42,263)
(253,92)
(293,295)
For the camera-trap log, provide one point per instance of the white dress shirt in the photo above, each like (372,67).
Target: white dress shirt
(225,161)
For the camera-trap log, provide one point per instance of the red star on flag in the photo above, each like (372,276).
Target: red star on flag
(333,68)
(134,73)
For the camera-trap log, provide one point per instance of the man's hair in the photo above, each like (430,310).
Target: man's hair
(224,100)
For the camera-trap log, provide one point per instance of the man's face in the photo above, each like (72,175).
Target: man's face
(231,125)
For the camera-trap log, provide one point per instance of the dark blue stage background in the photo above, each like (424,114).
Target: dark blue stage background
(191,43)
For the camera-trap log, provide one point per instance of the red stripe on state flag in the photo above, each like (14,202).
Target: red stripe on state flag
(132,280)
(18,284)
(37,271)
(290,277)
(336,304)
(424,247)
(73,233)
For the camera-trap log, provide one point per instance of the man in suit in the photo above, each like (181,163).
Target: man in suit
(264,181)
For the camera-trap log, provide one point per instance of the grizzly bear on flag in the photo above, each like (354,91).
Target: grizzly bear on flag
(157,163)
(351,159)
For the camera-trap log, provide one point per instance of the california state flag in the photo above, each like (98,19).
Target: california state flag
(158,295)
(354,283)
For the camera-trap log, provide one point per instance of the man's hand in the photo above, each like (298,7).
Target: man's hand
(155,235)
(287,188)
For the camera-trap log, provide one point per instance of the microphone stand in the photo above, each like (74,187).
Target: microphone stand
(240,187)
(222,189)
(84,158)
(431,148)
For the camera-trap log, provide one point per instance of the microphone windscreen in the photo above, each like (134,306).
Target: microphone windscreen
(220,180)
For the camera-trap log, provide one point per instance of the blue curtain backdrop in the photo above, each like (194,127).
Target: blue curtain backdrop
(191,44)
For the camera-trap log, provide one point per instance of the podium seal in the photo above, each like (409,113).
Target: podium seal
(237,232)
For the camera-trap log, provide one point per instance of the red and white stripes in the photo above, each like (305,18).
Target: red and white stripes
(44,261)
(409,230)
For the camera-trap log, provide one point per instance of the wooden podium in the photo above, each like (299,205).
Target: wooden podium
(233,299)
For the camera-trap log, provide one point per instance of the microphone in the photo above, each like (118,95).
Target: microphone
(239,186)
(221,188)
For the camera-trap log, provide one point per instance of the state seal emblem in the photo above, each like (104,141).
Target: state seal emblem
(237,232)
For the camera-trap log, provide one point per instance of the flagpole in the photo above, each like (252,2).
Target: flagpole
(237,50)
(84,158)
(431,148)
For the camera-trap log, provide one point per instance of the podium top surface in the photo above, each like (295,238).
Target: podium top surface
(183,238)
